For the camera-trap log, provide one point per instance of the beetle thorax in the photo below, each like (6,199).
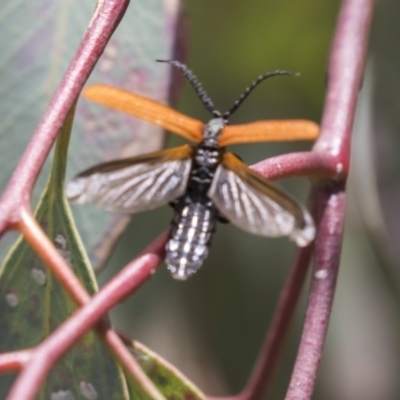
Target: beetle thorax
(212,132)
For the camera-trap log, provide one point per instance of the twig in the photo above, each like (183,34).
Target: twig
(17,193)
(280,324)
(43,357)
(344,80)
(331,202)
(14,361)
(328,163)
(45,249)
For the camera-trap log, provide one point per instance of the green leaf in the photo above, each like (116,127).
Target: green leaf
(33,303)
(168,380)
(37,42)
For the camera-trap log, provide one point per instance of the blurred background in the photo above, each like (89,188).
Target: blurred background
(212,326)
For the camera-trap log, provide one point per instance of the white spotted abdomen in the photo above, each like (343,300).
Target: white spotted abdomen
(192,228)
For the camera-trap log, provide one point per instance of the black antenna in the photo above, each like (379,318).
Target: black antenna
(249,89)
(207,102)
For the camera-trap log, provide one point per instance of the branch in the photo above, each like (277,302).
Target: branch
(14,361)
(45,249)
(345,72)
(326,267)
(307,163)
(328,165)
(268,357)
(44,356)
(344,79)
(17,193)
(15,207)
(328,162)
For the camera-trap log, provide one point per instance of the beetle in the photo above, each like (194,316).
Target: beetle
(204,183)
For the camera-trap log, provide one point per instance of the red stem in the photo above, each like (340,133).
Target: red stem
(269,355)
(14,361)
(14,204)
(47,353)
(329,159)
(344,80)
(45,249)
(17,193)
(345,71)
(323,283)
(307,163)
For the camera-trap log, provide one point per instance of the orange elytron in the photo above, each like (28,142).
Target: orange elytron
(204,183)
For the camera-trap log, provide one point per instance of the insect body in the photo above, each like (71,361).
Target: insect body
(203,183)
(196,215)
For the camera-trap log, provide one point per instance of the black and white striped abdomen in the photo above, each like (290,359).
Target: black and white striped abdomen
(190,236)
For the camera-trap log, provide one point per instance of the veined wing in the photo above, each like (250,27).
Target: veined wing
(256,205)
(134,184)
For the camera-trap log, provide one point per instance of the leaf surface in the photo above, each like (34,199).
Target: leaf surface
(168,380)
(37,43)
(33,303)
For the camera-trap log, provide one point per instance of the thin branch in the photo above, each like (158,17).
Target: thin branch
(14,204)
(17,193)
(345,72)
(14,361)
(263,371)
(323,284)
(329,161)
(48,352)
(46,250)
(307,163)
(344,79)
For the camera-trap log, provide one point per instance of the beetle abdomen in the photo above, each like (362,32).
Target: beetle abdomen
(190,236)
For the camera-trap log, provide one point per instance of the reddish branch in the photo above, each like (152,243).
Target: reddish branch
(14,361)
(346,67)
(307,163)
(45,249)
(330,213)
(17,193)
(328,163)
(15,209)
(273,344)
(43,357)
